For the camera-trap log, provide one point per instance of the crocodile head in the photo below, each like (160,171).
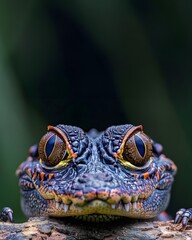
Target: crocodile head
(119,172)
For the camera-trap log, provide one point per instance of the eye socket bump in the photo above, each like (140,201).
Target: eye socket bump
(137,149)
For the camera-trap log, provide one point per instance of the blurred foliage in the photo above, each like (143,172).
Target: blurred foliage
(95,64)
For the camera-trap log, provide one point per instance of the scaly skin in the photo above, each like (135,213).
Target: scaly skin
(95,179)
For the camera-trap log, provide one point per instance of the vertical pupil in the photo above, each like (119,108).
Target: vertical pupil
(50,144)
(140,145)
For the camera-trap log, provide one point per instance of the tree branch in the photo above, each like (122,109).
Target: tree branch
(71,229)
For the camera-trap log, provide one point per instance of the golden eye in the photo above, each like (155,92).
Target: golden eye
(137,149)
(52,149)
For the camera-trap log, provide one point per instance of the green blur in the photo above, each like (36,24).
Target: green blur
(94,64)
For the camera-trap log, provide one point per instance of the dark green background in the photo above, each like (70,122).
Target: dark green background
(94,64)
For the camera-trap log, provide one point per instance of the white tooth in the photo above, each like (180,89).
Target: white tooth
(57,205)
(134,205)
(65,207)
(62,205)
(113,206)
(127,207)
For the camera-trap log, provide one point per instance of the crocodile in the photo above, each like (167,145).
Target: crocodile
(96,176)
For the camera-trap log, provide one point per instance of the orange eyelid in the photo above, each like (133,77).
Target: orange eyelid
(127,135)
(62,135)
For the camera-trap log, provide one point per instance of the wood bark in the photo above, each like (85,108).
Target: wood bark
(71,229)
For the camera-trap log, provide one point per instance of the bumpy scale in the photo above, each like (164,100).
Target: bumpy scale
(96,176)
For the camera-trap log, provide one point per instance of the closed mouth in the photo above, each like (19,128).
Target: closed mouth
(97,207)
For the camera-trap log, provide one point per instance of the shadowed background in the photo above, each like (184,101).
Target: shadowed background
(95,64)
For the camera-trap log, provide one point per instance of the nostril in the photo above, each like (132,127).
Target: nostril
(104,177)
(108,178)
(82,179)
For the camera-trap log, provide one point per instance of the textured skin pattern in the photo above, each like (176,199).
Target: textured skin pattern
(95,181)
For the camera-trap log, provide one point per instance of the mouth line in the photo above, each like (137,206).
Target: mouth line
(73,205)
(95,206)
(70,205)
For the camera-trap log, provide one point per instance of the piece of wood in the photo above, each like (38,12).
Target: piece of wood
(71,229)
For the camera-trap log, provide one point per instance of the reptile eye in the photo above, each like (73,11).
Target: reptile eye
(137,149)
(52,149)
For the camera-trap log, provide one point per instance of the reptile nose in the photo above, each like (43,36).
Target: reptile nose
(99,185)
(94,182)
(103,177)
